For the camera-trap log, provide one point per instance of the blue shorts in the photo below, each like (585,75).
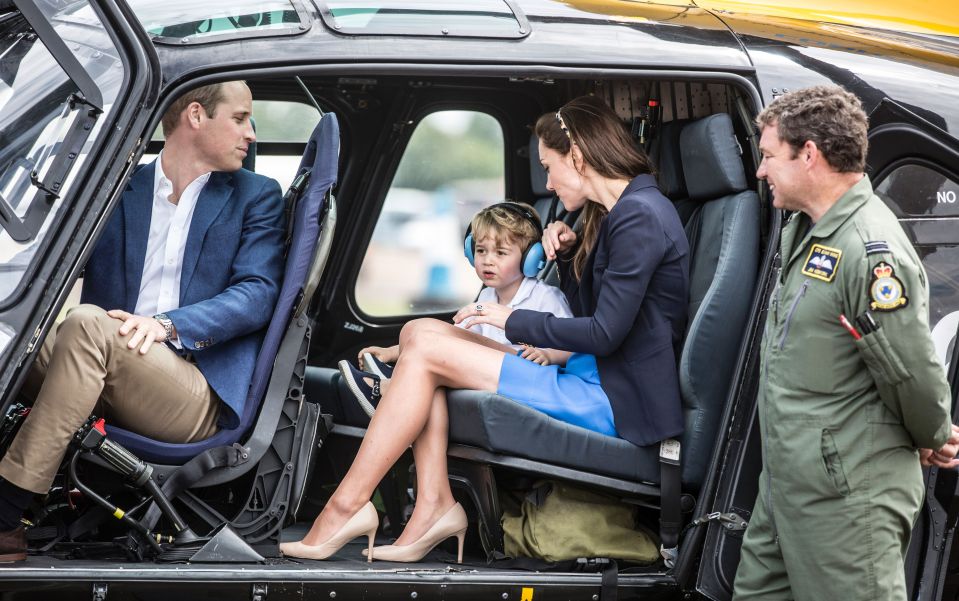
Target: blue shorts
(571,394)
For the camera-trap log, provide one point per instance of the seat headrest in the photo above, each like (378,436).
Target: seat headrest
(712,158)
(537,175)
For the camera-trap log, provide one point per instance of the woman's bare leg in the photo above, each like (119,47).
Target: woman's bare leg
(433,494)
(443,328)
(432,358)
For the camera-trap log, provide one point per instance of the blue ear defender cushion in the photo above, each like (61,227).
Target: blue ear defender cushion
(468,248)
(533,260)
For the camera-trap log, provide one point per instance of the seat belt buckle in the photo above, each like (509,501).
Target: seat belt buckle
(669,555)
(669,451)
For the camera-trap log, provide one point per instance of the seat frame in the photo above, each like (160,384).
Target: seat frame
(282,442)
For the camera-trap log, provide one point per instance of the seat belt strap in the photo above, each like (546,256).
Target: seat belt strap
(670,505)
(608,589)
(190,473)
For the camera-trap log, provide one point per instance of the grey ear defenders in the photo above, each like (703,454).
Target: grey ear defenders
(534,257)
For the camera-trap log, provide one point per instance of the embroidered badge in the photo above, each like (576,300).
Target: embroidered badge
(877,247)
(822,262)
(886,290)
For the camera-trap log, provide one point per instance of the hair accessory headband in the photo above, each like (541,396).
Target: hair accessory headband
(562,125)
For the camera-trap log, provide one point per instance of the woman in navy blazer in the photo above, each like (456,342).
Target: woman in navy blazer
(626,277)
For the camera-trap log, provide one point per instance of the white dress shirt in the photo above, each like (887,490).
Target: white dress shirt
(169,226)
(533,294)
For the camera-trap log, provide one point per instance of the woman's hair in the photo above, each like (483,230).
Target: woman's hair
(500,222)
(606,146)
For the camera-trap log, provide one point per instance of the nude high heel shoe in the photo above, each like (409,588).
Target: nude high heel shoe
(364,522)
(452,523)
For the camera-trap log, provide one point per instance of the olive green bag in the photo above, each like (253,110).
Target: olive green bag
(559,522)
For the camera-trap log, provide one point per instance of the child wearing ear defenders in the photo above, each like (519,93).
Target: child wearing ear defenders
(503,246)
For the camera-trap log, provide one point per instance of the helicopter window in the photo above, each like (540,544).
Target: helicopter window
(477,18)
(919,191)
(184,21)
(453,166)
(57,83)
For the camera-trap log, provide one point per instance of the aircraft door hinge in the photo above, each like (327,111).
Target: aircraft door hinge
(99,591)
(730,521)
(34,339)
(134,151)
(259,592)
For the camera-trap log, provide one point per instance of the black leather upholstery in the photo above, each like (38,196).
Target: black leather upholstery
(501,425)
(712,158)
(666,156)
(724,263)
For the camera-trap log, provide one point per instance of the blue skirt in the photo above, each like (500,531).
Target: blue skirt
(571,394)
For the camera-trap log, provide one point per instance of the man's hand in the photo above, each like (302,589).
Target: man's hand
(146,330)
(944,457)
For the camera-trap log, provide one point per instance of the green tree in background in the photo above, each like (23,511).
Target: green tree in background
(435,157)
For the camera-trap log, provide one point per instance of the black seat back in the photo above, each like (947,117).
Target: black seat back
(666,155)
(723,233)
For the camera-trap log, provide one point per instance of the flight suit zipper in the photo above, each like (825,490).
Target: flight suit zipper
(769,473)
(792,311)
(765,421)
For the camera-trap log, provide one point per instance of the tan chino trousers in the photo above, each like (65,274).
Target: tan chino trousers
(85,367)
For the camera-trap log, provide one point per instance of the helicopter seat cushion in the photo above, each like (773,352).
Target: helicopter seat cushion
(501,425)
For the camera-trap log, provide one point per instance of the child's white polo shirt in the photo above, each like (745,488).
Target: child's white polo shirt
(533,294)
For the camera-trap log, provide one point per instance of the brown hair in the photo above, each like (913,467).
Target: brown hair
(208,97)
(499,221)
(828,116)
(606,147)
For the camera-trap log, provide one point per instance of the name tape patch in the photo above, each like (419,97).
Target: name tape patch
(822,262)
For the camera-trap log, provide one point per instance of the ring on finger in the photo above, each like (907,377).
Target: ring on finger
(479,308)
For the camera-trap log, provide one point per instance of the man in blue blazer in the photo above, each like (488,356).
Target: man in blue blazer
(175,297)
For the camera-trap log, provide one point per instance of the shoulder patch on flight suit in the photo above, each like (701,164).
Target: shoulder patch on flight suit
(822,262)
(877,247)
(886,290)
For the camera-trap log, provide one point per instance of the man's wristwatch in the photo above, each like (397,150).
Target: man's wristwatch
(167,324)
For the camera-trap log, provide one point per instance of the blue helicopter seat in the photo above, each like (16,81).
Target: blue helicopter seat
(303,232)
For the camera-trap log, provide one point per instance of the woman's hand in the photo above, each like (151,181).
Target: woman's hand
(557,238)
(489,313)
(536,355)
(386,355)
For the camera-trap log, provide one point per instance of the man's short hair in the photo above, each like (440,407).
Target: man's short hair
(828,116)
(502,224)
(208,97)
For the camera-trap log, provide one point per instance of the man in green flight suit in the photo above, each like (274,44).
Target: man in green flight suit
(852,398)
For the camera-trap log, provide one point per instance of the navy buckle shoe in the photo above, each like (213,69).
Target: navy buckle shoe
(366,394)
(377,367)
